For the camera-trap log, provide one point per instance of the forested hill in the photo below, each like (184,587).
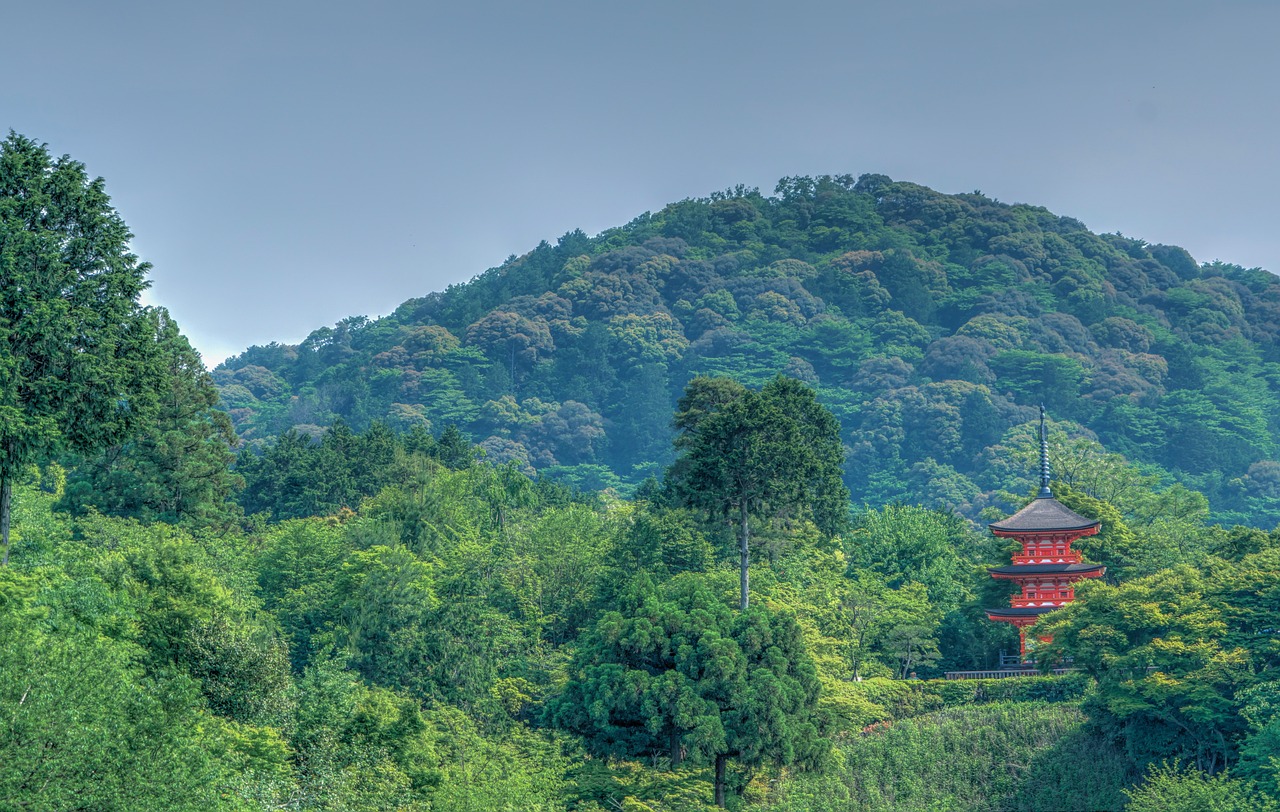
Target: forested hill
(930,324)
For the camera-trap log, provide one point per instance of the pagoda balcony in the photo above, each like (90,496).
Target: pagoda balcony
(1054,558)
(1054,602)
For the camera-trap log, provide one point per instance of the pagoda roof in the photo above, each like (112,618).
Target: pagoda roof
(1021,611)
(1047,569)
(1044,514)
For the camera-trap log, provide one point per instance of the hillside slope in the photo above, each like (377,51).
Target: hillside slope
(931,324)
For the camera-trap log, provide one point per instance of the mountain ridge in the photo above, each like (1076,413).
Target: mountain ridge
(930,324)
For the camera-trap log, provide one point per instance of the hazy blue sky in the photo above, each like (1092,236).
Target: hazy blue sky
(287,164)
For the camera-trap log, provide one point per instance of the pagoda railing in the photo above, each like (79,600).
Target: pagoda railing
(1029,671)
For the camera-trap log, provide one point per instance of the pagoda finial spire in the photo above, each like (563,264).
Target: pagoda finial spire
(1044,457)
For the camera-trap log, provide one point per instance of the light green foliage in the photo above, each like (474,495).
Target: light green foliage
(360,748)
(1175,655)
(82,727)
(1260,750)
(295,570)
(386,600)
(1002,756)
(905,543)
(156,586)
(521,772)
(554,572)
(1166,789)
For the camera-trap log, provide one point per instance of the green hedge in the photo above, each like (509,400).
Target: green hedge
(945,693)
(857,704)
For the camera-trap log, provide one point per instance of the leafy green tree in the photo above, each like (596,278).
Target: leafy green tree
(556,568)
(387,595)
(908,543)
(81,727)
(746,454)
(509,337)
(453,449)
(279,479)
(1053,380)
(1167,671)
(359,747)
(72,332)
(187,618)
(663,542)
(1167,789)
(296,477)
(1260,750)
(886,627)
(295,569)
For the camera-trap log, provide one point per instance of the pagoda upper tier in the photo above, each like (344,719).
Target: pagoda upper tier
(1045,515)
(1046,528)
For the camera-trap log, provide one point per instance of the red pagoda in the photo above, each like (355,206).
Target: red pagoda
(1047,568)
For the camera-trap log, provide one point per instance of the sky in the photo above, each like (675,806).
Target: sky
(284,165)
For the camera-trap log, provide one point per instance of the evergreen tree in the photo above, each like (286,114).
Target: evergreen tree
(178,467)
(675,671)
(71,328)
(748,454)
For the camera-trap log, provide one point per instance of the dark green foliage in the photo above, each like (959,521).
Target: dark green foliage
(663,542)
(676,672)
(296,476)
(78,368)
(177,466)
(751,455)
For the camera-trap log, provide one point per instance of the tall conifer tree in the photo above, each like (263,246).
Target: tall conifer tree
(70,320)
(754,454)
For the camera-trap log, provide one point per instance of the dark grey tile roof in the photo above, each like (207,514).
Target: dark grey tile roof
(1044,513)
(1021,611)
(1037,569)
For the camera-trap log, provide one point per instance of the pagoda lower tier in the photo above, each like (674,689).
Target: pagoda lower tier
(1046,585)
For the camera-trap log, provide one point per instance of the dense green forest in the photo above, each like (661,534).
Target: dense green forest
(381,614)
(930,325)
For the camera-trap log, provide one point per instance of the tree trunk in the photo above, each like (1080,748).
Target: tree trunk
(720,765)
(744,546)
(677,754)
(6,501)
